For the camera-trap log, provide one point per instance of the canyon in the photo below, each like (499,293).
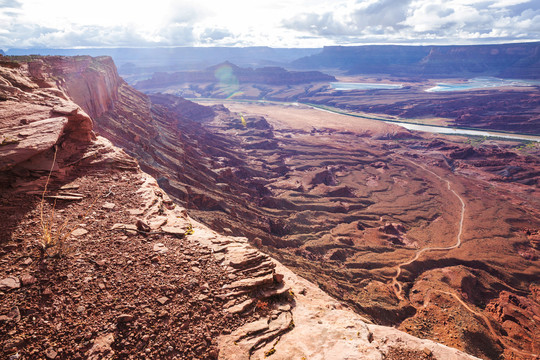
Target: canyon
(437,236)
(411,70)
(514,109)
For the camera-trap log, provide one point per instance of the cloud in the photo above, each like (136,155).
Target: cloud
(361,18)
(383,13)
(34,36)
(176,34)
(432,21)
(507,3)
(186,13)
(210,35)
(278,23)
(14,4)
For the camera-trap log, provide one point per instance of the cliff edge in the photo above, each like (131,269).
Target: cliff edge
(131,274)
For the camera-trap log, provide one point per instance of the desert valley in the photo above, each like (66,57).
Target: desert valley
(290,208)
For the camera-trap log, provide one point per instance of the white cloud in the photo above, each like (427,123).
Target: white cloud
(426,21)
(278,23)
(506,3)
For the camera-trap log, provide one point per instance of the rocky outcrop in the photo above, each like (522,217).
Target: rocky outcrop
(35,117)
(518,316)
(91,84)
(23,142)
(261,282)
(298,319)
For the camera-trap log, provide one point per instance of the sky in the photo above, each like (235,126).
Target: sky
(275,23)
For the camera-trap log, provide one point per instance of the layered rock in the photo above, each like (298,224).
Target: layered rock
(258,281)
(37,116)
(301,320)
(91,84)
(214,168)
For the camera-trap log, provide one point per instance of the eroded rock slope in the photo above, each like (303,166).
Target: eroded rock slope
(345,207)
(144,276)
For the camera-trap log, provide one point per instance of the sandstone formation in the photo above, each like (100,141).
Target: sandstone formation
(300,321)
(323,209)
(342,206)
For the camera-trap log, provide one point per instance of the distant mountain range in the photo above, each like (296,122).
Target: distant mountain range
(502,60)
(229,74)
(520,60)
(136,60)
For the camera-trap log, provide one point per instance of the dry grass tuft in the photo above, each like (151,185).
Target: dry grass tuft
(52,242)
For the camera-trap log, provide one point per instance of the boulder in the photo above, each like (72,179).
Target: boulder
(20,143)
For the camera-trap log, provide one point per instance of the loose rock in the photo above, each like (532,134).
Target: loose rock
(108,206)
(160,248)
(124,318)
(10,283)
(142,226)
(50,353)
(79,232)
(27,280)
(163,300)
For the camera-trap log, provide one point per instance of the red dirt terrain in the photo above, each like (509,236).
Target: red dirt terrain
(432,235)
(393,223)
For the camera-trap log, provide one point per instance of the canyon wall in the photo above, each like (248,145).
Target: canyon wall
(503,60)
(340,207)
(259,309)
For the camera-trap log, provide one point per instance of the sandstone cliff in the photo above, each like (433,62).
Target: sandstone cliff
(123,272)
(319,200)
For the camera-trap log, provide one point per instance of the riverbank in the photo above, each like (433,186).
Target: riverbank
(408,124)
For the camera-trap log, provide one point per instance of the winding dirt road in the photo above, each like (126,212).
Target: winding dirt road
(396,285)
(399,290)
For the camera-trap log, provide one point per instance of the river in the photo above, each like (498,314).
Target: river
(481,83)
(437,129)
(454,131)
(406,125)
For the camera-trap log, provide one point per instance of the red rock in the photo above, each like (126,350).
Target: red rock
(101,348)
(160,248)
(50,353)
(27,279)
(278,278)
(79,232)
(10,283)
(47,292)
(108,206)
(124,318)
(142,226)
(29,140)
(13,315)
(163,300)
